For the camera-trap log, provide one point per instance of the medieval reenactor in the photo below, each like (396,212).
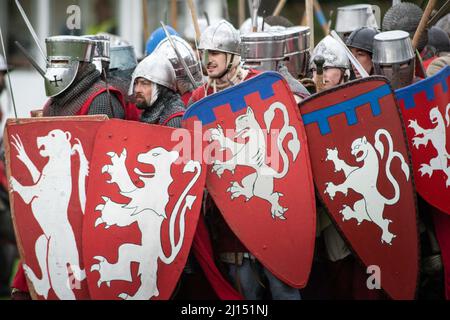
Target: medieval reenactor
(394,58)
(360,43)
(154,89)
(219,45)
(220,50)
(117,75)
(122,63)
(336,66)
(438,48)
(345,277)
(265,51)
(333,70)
(74,86)
(398,65)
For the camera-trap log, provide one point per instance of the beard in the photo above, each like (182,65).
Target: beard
(142,103)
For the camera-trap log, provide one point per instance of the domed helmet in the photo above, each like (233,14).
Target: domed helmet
(187,54)
(334,54)
(156,37)
(439,40)
(157,69)
(362,38)
(222,37)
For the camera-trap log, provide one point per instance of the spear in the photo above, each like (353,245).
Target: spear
(350,56)
(145,17)
(309,11)
(174,13)
(423,23)
(254,14)
(279,7)
(30,28)
(180,58)
(194,19)
(30,59)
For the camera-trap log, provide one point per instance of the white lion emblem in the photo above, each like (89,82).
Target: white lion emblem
(363,180)
(438,138)
(148,208)
(49,197)
(253,154)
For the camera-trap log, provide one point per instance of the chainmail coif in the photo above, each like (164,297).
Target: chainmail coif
(405,16)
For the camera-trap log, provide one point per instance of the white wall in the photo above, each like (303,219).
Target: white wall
(29,94)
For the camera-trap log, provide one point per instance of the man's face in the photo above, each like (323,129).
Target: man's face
(142,92)
(215,62)
(364,59)
(2,81)
(331,77)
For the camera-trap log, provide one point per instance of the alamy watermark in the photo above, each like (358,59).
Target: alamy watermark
(73,21)
(257,148)
(374,280)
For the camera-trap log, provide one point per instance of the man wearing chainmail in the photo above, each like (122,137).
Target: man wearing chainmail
(75,88)
(220,46)
(154,87)
(74,85)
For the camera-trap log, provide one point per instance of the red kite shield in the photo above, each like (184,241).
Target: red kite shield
(48,165)
(425,108)
(144,203)
(362,172)
(259,175)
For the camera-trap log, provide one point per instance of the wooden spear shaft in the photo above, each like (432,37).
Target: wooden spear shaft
(310,17)
(423,23)
(145,18)
(241,11)
(194,19)
(279,7)
(323,24)
(174,14)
